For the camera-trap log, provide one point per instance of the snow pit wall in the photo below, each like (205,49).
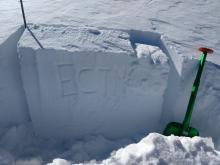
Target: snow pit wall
(13,105)
(80,93)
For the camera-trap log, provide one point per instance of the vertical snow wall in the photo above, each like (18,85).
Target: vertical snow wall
(13,107)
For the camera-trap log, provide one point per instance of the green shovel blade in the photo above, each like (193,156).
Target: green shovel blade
(175,128)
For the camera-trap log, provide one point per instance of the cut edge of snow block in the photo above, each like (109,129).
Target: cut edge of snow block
(95,86)
(13,105)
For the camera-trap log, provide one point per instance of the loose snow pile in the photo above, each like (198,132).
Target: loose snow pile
(158,149)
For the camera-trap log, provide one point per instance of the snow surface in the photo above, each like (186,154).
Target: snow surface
(184,25)
(187,24)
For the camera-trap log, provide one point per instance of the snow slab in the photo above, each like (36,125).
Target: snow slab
(158,149)
(82,81)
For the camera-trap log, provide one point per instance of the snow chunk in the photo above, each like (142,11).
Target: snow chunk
(97,87)
(154,52)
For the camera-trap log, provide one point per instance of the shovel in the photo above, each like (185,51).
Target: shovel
(183,129)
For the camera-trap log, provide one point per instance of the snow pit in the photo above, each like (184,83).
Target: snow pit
(12,99)
(86,81)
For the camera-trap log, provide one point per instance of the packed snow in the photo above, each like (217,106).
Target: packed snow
(90,78)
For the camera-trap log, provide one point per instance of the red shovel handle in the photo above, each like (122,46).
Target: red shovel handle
(207,50)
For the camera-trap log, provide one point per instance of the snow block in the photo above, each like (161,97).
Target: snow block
(13,106)
(90,82)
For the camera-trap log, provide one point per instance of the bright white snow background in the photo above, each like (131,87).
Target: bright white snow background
(185,25)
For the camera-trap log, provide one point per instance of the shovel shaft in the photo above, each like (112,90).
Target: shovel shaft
(194,91)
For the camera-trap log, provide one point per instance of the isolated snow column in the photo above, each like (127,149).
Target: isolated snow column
(89,82)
